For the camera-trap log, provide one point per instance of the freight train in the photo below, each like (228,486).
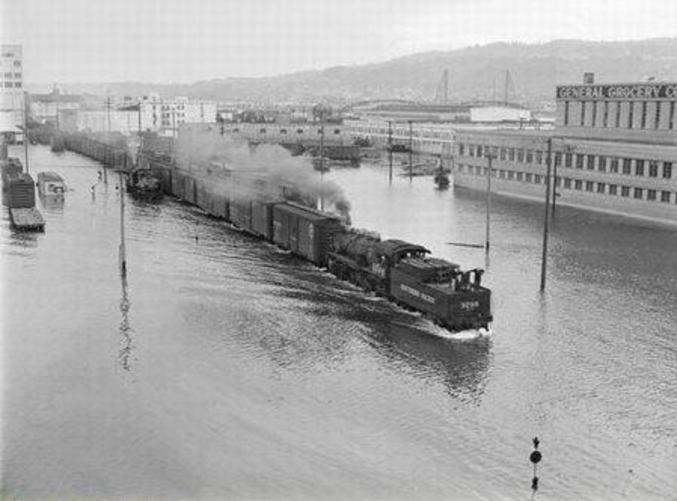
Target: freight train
(398,270)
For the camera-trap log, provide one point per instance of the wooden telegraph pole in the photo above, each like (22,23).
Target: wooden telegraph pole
(411,149)
(26,129)
(490,157)
(322,157)
(544,259)
(390,151)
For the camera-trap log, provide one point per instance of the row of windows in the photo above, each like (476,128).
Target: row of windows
(284,131)
(16,64)
(613,119)
(9,85)
(9,75)
(601,163)
(574,184)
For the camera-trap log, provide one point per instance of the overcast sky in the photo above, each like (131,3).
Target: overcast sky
(188,40)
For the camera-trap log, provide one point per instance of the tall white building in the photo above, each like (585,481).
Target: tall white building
(11,92)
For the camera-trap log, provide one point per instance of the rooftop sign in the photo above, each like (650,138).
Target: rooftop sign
(619,91)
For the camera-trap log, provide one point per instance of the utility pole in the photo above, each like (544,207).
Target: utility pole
(122,251)
(390,151)
(544,259)
(26,129)
(139,119)
(108,115)
(490,157)
(411,149)
(322,157)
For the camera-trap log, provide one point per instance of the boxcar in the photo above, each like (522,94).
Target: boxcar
(306,232)
(262,219)
(241,214)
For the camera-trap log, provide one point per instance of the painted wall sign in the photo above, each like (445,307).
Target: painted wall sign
(633,91)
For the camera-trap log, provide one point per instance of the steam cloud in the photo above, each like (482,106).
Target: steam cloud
(264,172)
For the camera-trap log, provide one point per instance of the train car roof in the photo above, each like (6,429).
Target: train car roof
(307,212)
(392,247)
(49,176)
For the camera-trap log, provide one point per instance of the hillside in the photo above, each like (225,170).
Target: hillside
(474,73)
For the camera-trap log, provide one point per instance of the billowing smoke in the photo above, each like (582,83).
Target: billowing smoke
(266,172)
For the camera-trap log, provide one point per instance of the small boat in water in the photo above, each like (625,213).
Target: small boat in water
(51,184)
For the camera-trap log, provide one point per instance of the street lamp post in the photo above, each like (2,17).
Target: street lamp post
(390,151)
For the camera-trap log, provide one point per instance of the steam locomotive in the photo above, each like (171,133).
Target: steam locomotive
(398,270)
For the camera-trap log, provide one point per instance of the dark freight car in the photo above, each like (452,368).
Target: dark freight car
(241,214)
(306,232)
(262,219)
(19,192)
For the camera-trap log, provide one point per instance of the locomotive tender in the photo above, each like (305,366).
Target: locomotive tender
(400,271)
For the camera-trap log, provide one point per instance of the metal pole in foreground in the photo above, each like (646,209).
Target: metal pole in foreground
(490,158)
(544,259)
(122,251)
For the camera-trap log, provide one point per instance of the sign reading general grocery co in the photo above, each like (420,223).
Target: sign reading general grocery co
(633,91)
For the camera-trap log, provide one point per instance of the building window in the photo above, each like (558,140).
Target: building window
(579,161)
(657,116)
(567,159)
(653,169)
(594,114)
(299,131)
(583,103)
(539,157)
(520,155)
(613,189)
(17,64)
(511,154)
(591,162)
(625,191)
(501,173)
(589,186)
(471,150)
(671,121)
(601,187)
(618,114)
(262,131)
(17,75)
(283,131)
(337,131)
(665,196)
(613,165)
(519,176)
(578,184)
(626,166)
(631,111)
(528,177)
(651,195)
(558,181)
(566,113)
(8,74)
(511,175)
(461,149)
(503,154)
(601,164)
(639,167)
(667,170)
(530,156)
(558,158)
(605,118)
(479,151)
(567,183)
(643,122)
(638,193)
(537,179)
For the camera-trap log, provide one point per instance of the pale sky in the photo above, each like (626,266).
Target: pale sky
(188,40)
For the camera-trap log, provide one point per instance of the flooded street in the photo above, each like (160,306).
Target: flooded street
(224,367)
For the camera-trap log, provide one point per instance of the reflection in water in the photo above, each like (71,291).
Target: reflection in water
(125,329)
(461,366)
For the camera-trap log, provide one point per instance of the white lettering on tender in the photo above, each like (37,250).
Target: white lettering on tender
(417,293)
(470,305)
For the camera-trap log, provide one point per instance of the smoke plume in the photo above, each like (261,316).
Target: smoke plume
(265,172)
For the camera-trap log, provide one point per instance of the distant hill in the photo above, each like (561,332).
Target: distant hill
(474,73)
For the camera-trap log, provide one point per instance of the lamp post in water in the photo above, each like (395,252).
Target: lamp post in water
(122,252)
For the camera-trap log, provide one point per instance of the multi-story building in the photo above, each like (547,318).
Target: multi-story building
(46,108)
(11,93)
(614,149)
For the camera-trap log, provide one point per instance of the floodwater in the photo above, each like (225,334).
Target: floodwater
(224,368)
